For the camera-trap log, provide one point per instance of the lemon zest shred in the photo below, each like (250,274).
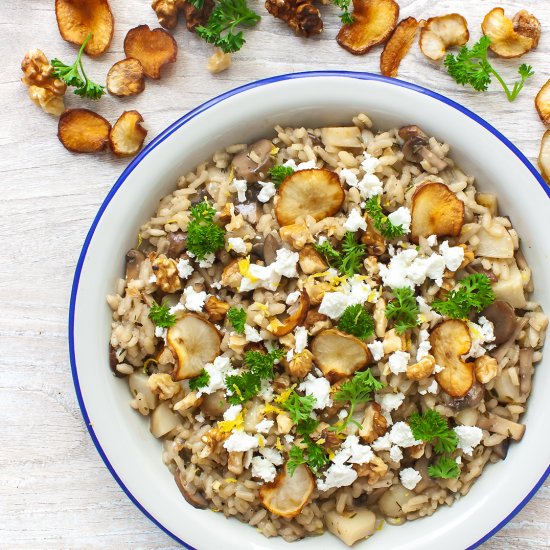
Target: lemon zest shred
(268,407)
(274,151)
(278,445)
(139,240)
(229,425)
(331,454)
(230,480)
(282,397)
(261,440)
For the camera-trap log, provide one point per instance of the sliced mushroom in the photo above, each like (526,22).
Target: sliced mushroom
(407,132)
(253,163)
(163,420)
(176,244)
(196,499)
(271,245)
(471,399)
(415,149)
(214,404)
(288,494)
(113,362)
(352,525)
(525,370)
(503,317)
(279,328)
(134,258)
(501,450)
(503,426)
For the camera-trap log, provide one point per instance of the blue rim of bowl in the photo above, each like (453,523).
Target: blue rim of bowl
(167,133)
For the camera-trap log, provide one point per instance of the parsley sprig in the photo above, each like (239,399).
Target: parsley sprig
(237,318)
(356,320)
(314,455)
(203,235)
(299,407)
(70,74)
(381,221)
(222,23)
(349,260)
(345,16)
(471,66)
(475,292)
(433,428)
(445,468)
(279,172)
(403,310)
(161,316)
(199,381)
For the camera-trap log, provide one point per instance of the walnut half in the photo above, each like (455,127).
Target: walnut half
(301,15)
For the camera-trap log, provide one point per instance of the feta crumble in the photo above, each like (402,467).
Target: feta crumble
(338,475)
(232,412)
(236,244)
(389,401)
(308,165)
(398,361)
(402,217)
(268,191)
(424,345)
(352,291)
(355,221)
(293,297)
(382,443)
(401,435)
(432,388)
(207,261)
(240,442)
(432,240)
(453,255)
(255,276)
(468,438)
(262,468)
(300,337)
(353,452)
(319,388)
(377,349)
(410,478)
(396,454)
(217,372)
(194,301)
(264,426)
(274,456)
(240,187)
(251,334)
(160,332)
(185,270)
(481,334)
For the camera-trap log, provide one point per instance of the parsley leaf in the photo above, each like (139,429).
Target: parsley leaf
(471,66)
(299,407)
(349,260)
(445,468)
(295,458)
(161,316)
(345,16)
(220,29)
(237,318)
(314,455)
(332,256)
(475,291)
(403,310)
(262,363)
(356,320)
(380,221)
(279,172)
(203,235)
(432,427)
(199,381)
(70,74)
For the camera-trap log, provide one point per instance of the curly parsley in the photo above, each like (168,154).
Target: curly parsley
(237,318)
(314,455)
(279,172)
(346,16)
(474,292)
(445,468)
(161,316)
(433,428)
(203,235)
(356,320)
(403,310)
(199,381)
(380,221)
(299,407)
(349,260)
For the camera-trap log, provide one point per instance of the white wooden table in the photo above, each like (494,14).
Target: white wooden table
(54,489)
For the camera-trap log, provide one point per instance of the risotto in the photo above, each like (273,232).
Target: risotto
(328,329)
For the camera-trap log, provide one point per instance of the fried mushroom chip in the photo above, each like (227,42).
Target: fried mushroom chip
(373,22)
(544,156)
(127,135)
(126,78)
(83,131)
(152,48)
(441,33)
(511,38)
(542,103)
(76,19)
(397,46)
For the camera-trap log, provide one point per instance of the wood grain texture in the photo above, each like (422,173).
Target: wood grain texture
(54,489)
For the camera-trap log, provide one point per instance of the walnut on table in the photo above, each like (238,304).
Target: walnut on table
(300,15)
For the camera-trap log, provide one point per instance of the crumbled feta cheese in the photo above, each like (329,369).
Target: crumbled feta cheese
(290,355)
(184,268)
(274,456)
(438,368)
(308,165)
(480,334)
(396,454)
(207,261)
(338,475)
(293,297)
(377,349)
(178,307)
(217,372)
(300,336)
(343,413)
(432,240)
(264,426)
(236,244)
(427,314)
(232,412)
(269,276)
(318,388)
(289,439)
(353,452)
(402,216)
(458,460)
(382,443)
(432,388)
(453,255)
(152,279)
(160,332)
(263,469)
(240,442)
(369,163)
(267,192)
(240,187)
(348,176)
(401,435)
(194,301)
(398,361)
(410,478)
(424,345)
(355,221)
(352,291)
(266,391)
(468,437)
(251,334)
(217,285)
(370,186)
(249,211)
(389,401)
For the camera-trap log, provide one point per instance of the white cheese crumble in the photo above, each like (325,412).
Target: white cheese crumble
(432,240)
(207,261)
(424,345)
(396,454)
(239,186)
(237,244)
(401,435)
(353,452)
(160,332)
(348,176)
(319,388)
(480,334)
(402,216)
(427,314)
(240,442)
(308,165)
(249,211)
(184,268)
(410,478)
(453,255)
(152,279)
(300,337)
(262,468)
(264,426)
(269,276)
(398,361)
(352,291)
(293,297)
(468,437)
(377,349)
(178,307)
(274,456)
(382,443)
(432,388)
(217,372)
(338,475)
(389,401)
(369,163)
(355,221)
(268,191)
(232,412)
(251,334)
(194,301)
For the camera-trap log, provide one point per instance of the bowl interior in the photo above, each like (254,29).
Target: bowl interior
(132,453)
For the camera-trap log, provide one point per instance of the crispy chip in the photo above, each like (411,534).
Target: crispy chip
(373,22)
(441,33)
(126,78)
(544,156)
(542,103)
(397,46)
(152,48)
(127,135)
(76,19)
(511,38)
(83,131)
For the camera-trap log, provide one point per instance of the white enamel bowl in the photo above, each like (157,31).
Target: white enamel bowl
(122,437)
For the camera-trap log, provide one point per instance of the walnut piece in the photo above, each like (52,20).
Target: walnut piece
(374,423)
(219,61)
(301,364)
(216,309)
(167,12)
(166,272)
(44,89)
(486,368)
(296,235)
(194,16)
(163,385)
(311,261)
(376,244)
(300,15)
(373,470)
(422,369)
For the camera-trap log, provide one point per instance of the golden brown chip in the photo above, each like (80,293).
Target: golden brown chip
(441,33)
(127,135)
(373,22)
(126,78)
(542,103)
(76,19)
(152,48)
(511,38)
(83,131)
(544,157)
(397,46)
